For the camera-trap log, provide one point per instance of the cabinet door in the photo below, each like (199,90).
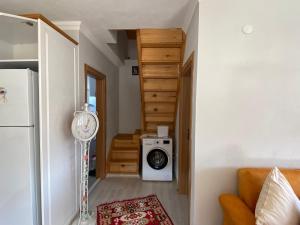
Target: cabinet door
(58,79)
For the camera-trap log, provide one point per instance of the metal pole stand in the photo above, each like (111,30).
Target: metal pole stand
(85,218)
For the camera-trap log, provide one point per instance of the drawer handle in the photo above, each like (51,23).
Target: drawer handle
(154,95)
(167,55)
(155,109)
(122,165)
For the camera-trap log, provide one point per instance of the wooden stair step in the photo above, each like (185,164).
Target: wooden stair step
(159,63)
(124,141)
(137,131)
(117,154)
(169,84)
(124,161)
(160,97)
(160,70)
(136,136)
(124,166)
(160,55)
(125,145)
(165,45)
(160,77)
(163,117)
(136,148)
(161,36)
(122,150)
(159,108)
(123,137)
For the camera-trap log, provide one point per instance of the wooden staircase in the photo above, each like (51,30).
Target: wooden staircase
(124,155)
(160,60)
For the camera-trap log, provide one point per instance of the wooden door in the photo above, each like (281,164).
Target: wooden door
(101,111)
(185,105)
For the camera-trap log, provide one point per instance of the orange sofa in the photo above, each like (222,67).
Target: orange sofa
(239,210)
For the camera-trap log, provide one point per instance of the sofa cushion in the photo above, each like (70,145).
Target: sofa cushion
(250,182)
(277,203)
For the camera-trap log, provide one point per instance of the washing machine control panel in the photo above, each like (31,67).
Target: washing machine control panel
(156,141)
(166,142)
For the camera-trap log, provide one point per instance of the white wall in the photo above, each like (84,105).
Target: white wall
(89,54)
(120,48)
(191,48)
(25,51)
(6,50)
(129,99)
(132,49)
(18,51)
(247,97)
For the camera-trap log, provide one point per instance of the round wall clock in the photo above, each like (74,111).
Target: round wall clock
(85,125)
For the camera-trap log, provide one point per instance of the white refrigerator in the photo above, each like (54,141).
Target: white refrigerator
(19,148)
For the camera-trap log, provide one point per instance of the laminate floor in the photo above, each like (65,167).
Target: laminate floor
(92,180)
(116,188)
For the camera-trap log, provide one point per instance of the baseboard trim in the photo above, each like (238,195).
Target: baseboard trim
(94,185)
(123,175)
(73,220)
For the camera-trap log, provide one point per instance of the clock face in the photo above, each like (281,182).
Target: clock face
(85,126)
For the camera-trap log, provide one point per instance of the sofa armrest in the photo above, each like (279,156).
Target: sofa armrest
(236,211)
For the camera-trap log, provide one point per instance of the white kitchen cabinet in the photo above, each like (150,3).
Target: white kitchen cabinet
(32,43)
(58,70)
(18,37)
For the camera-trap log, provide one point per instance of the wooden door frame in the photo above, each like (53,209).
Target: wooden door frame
(101,135)
(184,168)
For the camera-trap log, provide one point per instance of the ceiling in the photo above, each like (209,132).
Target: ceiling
(102,16)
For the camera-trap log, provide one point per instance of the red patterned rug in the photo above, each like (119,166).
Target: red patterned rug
(139,211)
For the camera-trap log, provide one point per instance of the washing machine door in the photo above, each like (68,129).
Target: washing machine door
(157,159)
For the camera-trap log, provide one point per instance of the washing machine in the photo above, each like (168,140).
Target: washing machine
(157,155)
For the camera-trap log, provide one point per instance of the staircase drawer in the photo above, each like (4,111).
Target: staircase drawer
(124,155)
(160,96)
(160,84)
(152,127)
(131,144)
(123,167)
(160,107)
(161,55)
(157,71)
(161,36)
(167,118)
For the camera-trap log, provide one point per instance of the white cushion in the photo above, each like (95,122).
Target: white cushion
(277,203)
